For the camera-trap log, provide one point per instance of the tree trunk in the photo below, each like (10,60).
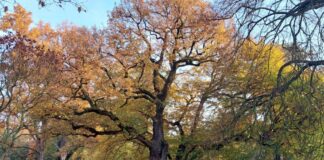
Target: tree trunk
(159,148)
(41,141)
(40,148)
(198,114)
(277,157)
(61,143)
(181,151)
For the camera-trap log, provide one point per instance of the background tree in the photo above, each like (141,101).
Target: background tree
(295,25)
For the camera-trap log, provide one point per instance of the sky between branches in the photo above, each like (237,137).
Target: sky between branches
(95,15)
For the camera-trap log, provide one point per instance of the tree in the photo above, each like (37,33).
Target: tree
(146,56)
(295,25)
(27,71)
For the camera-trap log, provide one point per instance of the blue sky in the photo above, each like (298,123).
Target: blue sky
(96,15)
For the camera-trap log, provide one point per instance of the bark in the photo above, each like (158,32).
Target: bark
(40,148)
(198,113)
(41,141)
(181,151)
(277,157)
(61,143)
(160,147)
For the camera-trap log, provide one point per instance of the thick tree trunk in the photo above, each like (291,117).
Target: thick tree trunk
(159,148)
